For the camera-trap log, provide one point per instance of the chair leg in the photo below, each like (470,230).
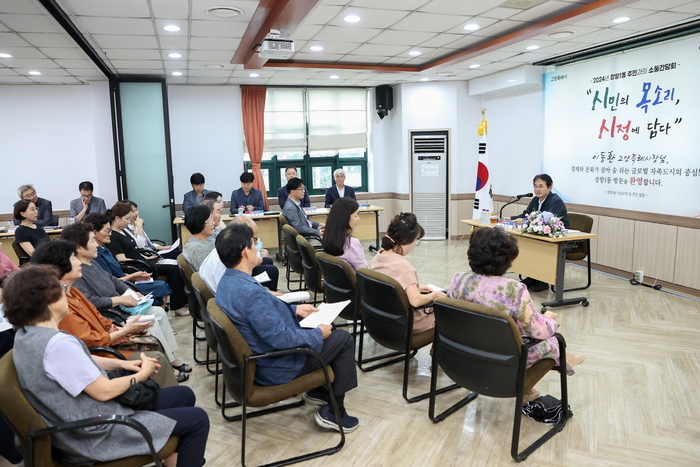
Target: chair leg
(221,403)
(411,400)
(360,361)
(434,392)
(194,347)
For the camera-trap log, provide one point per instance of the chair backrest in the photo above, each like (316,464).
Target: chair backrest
(340,282)
(386,313)
(583,223)
(477,346)
(20,415)
(203,295)
(293,255)
(312,273)
(22,255)
(186,268)
(186,273)
(232,350)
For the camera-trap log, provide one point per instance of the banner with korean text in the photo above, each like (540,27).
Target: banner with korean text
(623,131)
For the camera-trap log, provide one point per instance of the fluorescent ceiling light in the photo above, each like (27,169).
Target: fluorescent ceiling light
(176,73)
(560,34)
(5,56)
(621,19)
(352,18)
(471,27)
(175,55)
(512,80)
(334,76)
(253,75)
(425,79)
(532,47)
(316,48)
(476,65)
(224,11)
(414,53)
(172,28)
(34,72)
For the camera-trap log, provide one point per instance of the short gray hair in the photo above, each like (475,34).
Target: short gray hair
(337,172)
(24,188)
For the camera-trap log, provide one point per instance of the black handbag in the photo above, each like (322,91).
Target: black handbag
(140,396)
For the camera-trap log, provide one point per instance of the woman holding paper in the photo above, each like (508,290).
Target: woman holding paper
(93,285)
(402,236)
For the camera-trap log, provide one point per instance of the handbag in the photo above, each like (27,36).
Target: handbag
(139,343)
(140,396)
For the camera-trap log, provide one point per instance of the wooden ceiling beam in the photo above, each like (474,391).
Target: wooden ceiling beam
(342,66)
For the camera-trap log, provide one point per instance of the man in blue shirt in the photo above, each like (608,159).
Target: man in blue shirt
(250,198)
(267,323)
(194,197)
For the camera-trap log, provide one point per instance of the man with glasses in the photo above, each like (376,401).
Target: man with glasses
(282,194)
(43,205)
(295,215)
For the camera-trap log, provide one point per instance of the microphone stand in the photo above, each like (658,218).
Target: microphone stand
(500,213)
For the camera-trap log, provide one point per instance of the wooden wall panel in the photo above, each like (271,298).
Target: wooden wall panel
(687,271)
(615,247)
(655,249)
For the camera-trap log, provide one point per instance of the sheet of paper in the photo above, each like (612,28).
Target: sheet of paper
(326,314)
(4,323)
(294,297)
(174,246)
(143,318)
(132,293)
(435,288)
(167,261)
(262,277)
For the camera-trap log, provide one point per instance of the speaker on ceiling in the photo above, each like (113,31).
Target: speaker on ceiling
(384,96)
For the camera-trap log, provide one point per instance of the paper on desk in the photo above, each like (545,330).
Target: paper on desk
(435,288)
(139,301)
(293,297)
(326,314)
(174,246)
(262,277)
(4,323)
(571,231)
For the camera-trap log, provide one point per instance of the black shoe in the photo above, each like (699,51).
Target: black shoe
(528,281)
(538,286)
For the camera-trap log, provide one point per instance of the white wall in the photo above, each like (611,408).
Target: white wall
(206,135)
(56,137)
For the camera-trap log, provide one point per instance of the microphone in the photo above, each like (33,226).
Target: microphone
(517,198)
(524,195)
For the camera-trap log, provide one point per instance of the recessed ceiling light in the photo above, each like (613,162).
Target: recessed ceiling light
(512,80)
(174,55)
(414,53)
(172,28)
(176,73)
(476,65)
(213,65)
(621,19)
(444,73)
(5,56)
(532,47)
(34,72)
(560,34)
(253,75)
(334,76)
(316,48)
(224,11)
(425,79)
(471,27)
(352,18)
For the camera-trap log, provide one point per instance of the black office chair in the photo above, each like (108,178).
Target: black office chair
(312,273)
(340,284)
(22,256)
(193,306)
(388,318)
(293,258)
(238,362)
(582,250)
(481,349)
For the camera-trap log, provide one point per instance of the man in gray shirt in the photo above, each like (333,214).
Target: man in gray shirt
(86,204)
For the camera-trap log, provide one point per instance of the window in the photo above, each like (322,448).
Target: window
(317,131)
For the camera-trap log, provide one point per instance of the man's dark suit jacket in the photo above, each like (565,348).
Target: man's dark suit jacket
(332,194)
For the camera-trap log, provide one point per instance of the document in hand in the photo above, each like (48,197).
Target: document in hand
(435,288)
(174,247)
(139,301)
(326,314)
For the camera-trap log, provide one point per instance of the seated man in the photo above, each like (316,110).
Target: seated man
(339,190)
(212,269)
(43,205)
(267,324)
(250,198)
(194,197)
(282,194)
(295,215)
(86,204)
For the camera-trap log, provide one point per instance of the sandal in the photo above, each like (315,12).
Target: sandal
(182,377)
(185,368)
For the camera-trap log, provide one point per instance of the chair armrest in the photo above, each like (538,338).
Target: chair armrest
(100,420)
(109,350)
(276,353)
(135,265)
(156,241)
(131,285)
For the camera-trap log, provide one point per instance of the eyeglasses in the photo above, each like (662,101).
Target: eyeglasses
(256,239)
(108,231)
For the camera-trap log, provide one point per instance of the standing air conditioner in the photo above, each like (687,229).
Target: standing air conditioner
(429,190)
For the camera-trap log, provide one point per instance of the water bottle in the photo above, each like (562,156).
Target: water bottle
(241,210)
(10,224)
(71,221)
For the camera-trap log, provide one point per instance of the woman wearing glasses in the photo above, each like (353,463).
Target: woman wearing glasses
(200,223)
(402,236)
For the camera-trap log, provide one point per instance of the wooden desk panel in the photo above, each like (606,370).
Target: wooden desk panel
(6,239)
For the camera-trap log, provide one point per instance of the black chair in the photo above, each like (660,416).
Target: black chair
(388,318)
(193,306)
(340,284)
(293,258)
(582,250)
(22,255)
(481,349)
(34,436)
(312,273)
(238,362)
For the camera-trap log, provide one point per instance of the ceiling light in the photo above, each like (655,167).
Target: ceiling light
(176,73)
(172,28)
(224,11)
(621,19)
(512,80)
(34,72)
(471,27)
(316,48)
(352,18)
(444,73)
(476,65)
(414,53)
(334,76)
(425,79)
(560,34)
(253,75)
(174,55)
(532,47)
(213,65)
(5,56)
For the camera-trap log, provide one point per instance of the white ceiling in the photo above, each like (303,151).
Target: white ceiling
(129,36)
